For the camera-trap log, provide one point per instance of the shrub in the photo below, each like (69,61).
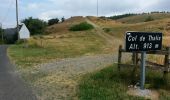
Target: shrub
(149,18)
(81,27)
(107,30)
(35,26)
(53,21)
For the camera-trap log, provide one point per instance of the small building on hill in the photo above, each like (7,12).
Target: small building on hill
(24,33)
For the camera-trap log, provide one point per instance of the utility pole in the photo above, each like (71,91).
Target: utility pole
(97,8)
(17,18)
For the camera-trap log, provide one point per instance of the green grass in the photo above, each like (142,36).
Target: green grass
(109,84)
(81,27)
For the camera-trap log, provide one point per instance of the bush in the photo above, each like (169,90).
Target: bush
(53,21)
(81,27)
(107,30)
(35,26)
(149,18)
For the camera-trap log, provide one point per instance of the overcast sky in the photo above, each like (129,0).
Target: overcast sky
(46,9)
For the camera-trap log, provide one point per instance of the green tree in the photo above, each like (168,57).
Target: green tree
(1,34)
(53,21)
(35,25)
(1,31)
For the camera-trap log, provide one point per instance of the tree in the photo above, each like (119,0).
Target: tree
(1,33)
(62,19)
(35,25)
(53,21)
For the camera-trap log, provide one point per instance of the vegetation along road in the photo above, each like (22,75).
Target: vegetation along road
(11,86)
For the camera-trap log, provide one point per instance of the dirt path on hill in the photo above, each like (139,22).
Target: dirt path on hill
(110,39)
(11,86)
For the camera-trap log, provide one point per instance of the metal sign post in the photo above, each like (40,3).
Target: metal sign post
(142,76)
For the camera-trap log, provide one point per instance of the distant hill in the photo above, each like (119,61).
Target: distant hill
(142,17)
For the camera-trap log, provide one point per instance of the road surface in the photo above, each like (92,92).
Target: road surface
(11,86)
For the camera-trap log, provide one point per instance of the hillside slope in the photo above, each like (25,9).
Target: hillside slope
(142,18)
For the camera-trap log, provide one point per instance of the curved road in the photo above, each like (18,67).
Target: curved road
(11,86)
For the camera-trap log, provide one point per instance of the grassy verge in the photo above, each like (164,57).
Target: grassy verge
(108,84)
(43,49)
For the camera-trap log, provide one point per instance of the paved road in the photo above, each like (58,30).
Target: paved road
(11,86)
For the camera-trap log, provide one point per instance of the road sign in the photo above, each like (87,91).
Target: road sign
(143,41)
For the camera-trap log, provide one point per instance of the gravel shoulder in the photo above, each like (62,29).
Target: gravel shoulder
(63,76)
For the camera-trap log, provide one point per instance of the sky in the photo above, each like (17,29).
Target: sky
(47,9)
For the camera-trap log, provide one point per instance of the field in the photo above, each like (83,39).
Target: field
(59,44)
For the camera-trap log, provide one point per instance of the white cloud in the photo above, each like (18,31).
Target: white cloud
(33,6)
(46,9)
(50,14)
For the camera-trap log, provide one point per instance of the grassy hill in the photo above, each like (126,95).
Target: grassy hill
(117,28)
(142,17)
(62,43)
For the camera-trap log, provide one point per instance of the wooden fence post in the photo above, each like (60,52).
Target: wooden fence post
(166,65)
(119,56)
(135,58)
(135,63)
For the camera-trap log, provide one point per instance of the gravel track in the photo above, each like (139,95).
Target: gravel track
(81,64)
(68,71)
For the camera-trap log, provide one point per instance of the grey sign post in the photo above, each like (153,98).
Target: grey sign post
(142,42)
(142,76)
